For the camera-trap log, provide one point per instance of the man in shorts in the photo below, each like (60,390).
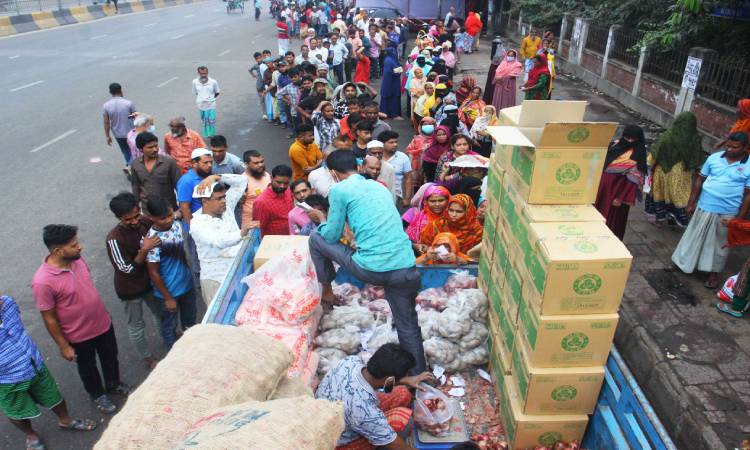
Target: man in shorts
(25,382)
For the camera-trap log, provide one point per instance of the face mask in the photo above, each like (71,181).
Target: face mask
(152,129)
(178,133)
(510,58)
(204,79)
(428,129)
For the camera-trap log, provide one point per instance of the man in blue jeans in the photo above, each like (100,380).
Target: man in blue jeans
(169,271)
(384,254)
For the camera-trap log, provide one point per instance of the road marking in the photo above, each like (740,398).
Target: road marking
(149,24)
(216,25)
(166,82)
(177,37)
(189,16)
(98,37)
(27,86)
(50,142)
(14,56)
(224,52)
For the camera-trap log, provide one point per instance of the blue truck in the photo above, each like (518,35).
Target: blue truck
(623,418)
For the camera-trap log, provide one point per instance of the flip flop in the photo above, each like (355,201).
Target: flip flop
(79,425)
(723,307)
(34,445)
(711,285)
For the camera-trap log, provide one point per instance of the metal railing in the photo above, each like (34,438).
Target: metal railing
(624,49)
(669,66)
(725,80)
(597,38)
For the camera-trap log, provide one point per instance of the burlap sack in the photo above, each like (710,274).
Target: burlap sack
(301,423)
(209,367)
(291,387)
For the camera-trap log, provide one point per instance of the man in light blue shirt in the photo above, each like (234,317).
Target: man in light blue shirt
(719,194)
(384,255)
(340,52)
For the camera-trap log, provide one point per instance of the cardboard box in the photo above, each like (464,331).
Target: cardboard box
(537,113)
(577,268)
(529,431)
(500,354)
(494,183)
(485,267)
(500,325)
(544,391)
(273,245)
(566,341)
(559,163)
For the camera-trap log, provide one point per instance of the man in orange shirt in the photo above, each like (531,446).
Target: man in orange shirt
(180,142)
(304,153)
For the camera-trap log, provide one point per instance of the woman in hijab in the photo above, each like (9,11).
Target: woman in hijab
(538,85)
(416,90)
(743,117)
(421,102)
(449,254)
(625,170)
(674,158)
(449,117)
(419,144)
(472,107)
(433,206)
(510,68)
(390,87)
(460,219)
(460,145)
(497,58)
(439,144)
(464,89)
(479,132)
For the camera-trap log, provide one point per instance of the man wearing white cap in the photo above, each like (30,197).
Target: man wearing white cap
(387,175)
(214,228)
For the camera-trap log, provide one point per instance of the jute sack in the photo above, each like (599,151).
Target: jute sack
(291,423)
(209,367)
(291,387)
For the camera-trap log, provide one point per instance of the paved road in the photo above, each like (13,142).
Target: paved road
(58,169)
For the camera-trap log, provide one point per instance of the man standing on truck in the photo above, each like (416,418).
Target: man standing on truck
(381,258)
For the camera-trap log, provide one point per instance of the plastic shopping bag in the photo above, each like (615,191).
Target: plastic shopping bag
(432,410)
(727,291)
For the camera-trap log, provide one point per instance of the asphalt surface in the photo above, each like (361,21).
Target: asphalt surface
(58,169)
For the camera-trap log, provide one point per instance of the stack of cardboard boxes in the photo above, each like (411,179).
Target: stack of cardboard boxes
(552,270)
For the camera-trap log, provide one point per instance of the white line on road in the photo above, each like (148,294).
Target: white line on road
(224,52)
(216,25)
(14,56)
(166,82)
(149,25)
(189,16)
(99,36)
(50,142)
(27,86)
(177,37)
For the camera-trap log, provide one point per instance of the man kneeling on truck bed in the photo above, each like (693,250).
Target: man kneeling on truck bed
(384,255)
(373,418)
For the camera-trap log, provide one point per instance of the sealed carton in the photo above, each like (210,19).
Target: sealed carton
(566,341)
(576,268)
(501,328)
(272,245)
(537,113)
(525,431)
(500,353)
(554,390)
(494,183)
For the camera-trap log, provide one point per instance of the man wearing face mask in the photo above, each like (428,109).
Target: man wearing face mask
(383,259)
(141,123)
(373,418)
(180,142)
(206,90)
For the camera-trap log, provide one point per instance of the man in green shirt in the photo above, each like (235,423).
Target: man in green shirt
(383,256)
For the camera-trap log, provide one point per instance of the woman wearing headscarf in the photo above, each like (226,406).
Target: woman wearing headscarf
(510,68)
(390,87)
(460,219)
(419,144)
(625,170)
(448,116)
(538,85)
(472,107)
(674,158)
(439,144)
(479,132)
(460,145)
(464,89)
(449,254)
(416,90)
(419,105)
(743,117)
(497,58)
(431,208)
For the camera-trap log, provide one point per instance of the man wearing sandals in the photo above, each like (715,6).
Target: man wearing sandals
(25,382)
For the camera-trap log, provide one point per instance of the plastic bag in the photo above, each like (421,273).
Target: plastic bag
(345,339)
(727,291)
(381,335)
(329,357)
(461,280)
(472,300)
(454,323)
(380,309)
(372,292)
(345,293)
(435,298)
(432,410)
(341,316)
(476,336)
(287,284)
(427,319)
(475,357)
(441,352)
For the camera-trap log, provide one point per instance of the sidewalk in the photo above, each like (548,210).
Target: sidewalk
(691,361)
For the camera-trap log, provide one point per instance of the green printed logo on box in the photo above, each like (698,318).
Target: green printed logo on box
(523,164)
(578,135)
(570,230)
(549,438)
(587,284)
(568,173)
(564,393)
(586,247)
(521,376)
(574,342)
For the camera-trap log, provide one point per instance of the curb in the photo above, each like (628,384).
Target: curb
(41,20)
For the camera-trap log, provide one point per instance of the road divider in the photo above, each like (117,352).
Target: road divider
(22,23)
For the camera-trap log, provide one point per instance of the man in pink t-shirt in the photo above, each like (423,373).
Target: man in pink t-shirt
(75,316)
(298,217)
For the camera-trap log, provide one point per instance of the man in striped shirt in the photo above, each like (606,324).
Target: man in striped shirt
(25,381)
